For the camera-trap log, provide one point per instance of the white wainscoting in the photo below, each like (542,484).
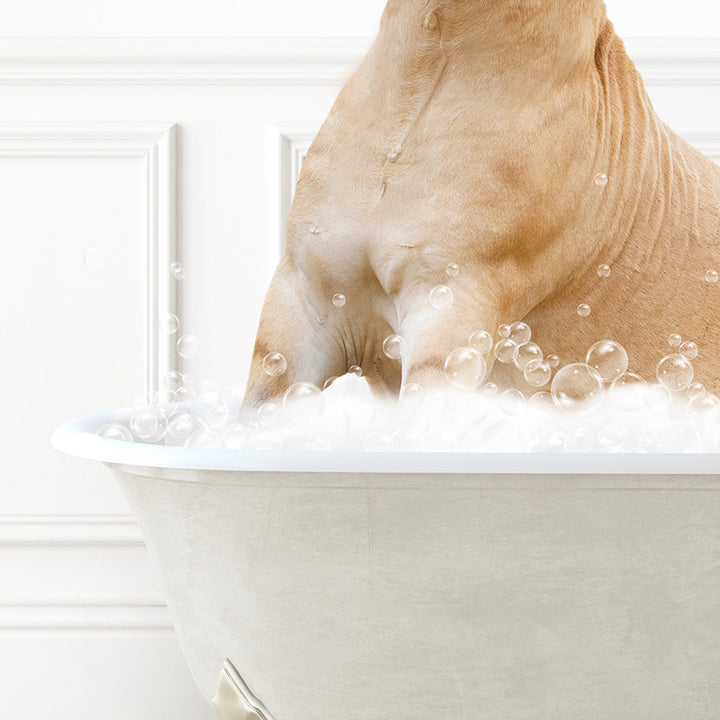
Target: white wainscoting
(152,150)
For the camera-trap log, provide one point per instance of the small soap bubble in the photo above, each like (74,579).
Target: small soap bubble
(188,345)
(203,439)
(583,310)
(452,269)
(236,436)
(711,276)
(481,341)
(180,426)
(627,390)
(170,324)
(519,333)
(553,360)
(147,425)
(441,296)
(490,389)
(339,300)
(675,340)
(94,258)
(541,400)
(675,372)
(527,352)
(177,270)
(394,346)
(506,351)
(268,414)
(355,370)
(694,390)
(601,179)
(608,358)
(173,380)
(537,373)
(603,271)
(185,394)
(114,431)
(412,396)
(657,398)
(302,401)
(503,331)
(274,364)
(702,405)
(219,417)
(512,402)
(577,388)
(465,368)
(689,350)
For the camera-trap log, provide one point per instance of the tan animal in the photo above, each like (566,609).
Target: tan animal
(478,132)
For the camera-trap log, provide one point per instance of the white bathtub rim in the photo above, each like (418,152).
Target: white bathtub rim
(77,437)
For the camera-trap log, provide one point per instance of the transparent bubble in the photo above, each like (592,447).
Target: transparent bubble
(180,426)
(94,258)
(689,350)
(412,396)
(537,373)
(520,333)
(378,441)
(274,364)
(608,359)
(702,405)
(394,346)
(170,324)
(465,368)
(219,417)
(577,388)
(583,310)
(481,341)
(114,431)
(506,351)
(339,300)
(188,345)
(694,390)
(452,269)
(553,360)
(527,352)
(711,276)
(503,331)
(441,296)
(147,425)
(177,270)
(355,370)
(675,340)
(627,391)
(268,414)
(173,380)
(302,401)
(236,436)
(601,179)
(188,379)
(603,271)
(203,439)
(490,389)
(185,394)
(267,441)
(675,372)
(512,402)
(541,400)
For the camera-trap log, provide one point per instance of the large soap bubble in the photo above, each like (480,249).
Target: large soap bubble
(577,388)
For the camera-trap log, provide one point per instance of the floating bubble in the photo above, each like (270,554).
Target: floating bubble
(689,350)
(512,402)
(675,372)
(188,345)
(412,396)
(553,360)
(441,296)
(490,388)
(465,368)
(94,258)
(114,431)
(394,346)
(694,390)
(481,341)
(601,179)
(577,388)
(268,414)
(173,380)
(503,331)
(519,333)
(355,370)
(147,425)
(506,351)
(170,324)
(537,373)
(185,394)
(339,300)
(527,352)
(452,269)
(274,364)
(608,359)
(675,340)
(603,271)
(177,270)
(302,401)
(711,276)
(701,405)
(583,310)
(180,426)
(626,391)
(219,417)
(236,436)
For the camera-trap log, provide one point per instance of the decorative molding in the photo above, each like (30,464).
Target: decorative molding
(69,531)
(275,61)
(155,145)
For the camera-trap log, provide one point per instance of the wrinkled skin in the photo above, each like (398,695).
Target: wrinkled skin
(472,133)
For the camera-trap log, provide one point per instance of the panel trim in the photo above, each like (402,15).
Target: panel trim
(155,144)
(69,531)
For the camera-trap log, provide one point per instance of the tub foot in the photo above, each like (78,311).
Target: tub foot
(233,700)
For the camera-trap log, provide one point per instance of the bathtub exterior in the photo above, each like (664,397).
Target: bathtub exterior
(369,595)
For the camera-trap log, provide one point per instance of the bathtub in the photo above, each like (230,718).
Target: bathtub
(339,586)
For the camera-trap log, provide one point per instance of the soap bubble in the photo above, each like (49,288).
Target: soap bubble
(394,346)
(185,394)
(412,396)
(541,400)
(114,431)
(218,417)
(675,340)
(203,439)
(701,405)
(689,350)
(577,387)
(675,372)
(490,389)
(452,269)
(274,364)
(601,179)
(627,390)
(177,270)
(339,300)
(302,402)
(173,380)
(527,352)
(503,331)
(180,426)
(537,373)
(481,341)
(506,351)
(268,414)
(236,436)
(441,296)
(608,359)
(711,276)
(465,368)
(147,425)
(603,271)
(694,390)
(553,360)
(170,324)
(355,370)
(188,345)
(520,333)
(512,402)
(583,310)
(94,258)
